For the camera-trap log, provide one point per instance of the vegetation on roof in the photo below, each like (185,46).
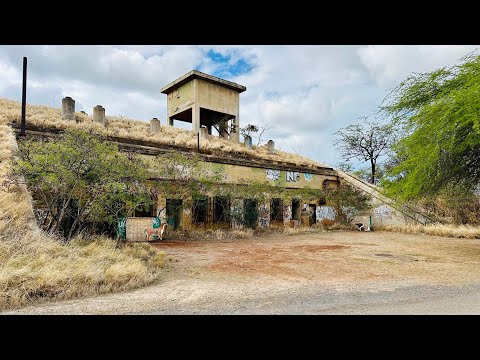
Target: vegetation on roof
(122,127)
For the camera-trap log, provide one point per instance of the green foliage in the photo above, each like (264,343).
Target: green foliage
(82,178)
(366,174)
(248,130)
(438,116)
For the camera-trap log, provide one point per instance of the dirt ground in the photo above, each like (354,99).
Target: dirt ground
(326,272)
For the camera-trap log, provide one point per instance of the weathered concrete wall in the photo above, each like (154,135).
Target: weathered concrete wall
(218,98)
(326,215)
(283,178)
(382,209)
(180,99)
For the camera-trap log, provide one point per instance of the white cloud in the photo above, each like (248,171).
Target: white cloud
(391,64)
(305,93)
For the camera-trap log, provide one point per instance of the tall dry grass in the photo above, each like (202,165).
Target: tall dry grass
(34,266)
(123,127)
(456,231)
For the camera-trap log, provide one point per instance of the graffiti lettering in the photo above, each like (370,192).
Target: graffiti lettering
(382,211)
(41,215)
(326,213)
(287,213)
(307,176)
(292,176)
(272,174)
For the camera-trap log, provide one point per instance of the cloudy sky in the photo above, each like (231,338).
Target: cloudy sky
(305,93)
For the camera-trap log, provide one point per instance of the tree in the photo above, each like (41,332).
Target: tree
(248,130)
(79,177)
(251,129)
(439,116)
(366,142)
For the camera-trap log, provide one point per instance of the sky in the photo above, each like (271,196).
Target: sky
(303,93)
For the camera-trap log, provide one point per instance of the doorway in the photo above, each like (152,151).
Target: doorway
(250,213)
(174,213)
(313,214)
(295,209)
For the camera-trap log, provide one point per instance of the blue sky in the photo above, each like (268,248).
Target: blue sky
(304,93)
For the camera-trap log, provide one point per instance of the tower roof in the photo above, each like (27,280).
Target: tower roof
(198,74)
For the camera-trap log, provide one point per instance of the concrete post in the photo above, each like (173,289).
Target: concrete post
(68,108)
(99,114)
(196,119)
(247,141)
(270,145)
(203,132)
(235,133)
(155,125)
(223,130)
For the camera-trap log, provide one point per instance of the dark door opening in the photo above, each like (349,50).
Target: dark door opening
(174,213)
(200,210)
(250,213)
(313,214)
(222,209)
(295,209)
(276,210)
(144,211)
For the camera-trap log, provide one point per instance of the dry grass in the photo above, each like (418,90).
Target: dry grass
(49,117)
(35,267)
(456,231)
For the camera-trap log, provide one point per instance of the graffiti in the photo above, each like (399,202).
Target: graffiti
(264,216)
(307,176)
(326,213)
(382,211)
(162,215)
(287,213)
(41,215)
(304,208)
(121,228)
(272,174)
(156,222)
(292,176)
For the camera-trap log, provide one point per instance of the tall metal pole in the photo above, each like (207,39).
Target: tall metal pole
(198,142)
(24,97)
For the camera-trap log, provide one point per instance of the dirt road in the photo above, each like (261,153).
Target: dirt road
(322,273)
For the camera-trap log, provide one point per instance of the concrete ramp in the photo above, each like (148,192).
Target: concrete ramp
(384,211)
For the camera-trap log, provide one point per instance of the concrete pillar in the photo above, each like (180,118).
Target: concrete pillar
(169,121)
(223,130)
(68,108)
(236,213)
(99,114)
(203,132)
(270,145)
(264,215)
(235,133)
(287,214)
(155,125)
(196,119)
(247,141)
